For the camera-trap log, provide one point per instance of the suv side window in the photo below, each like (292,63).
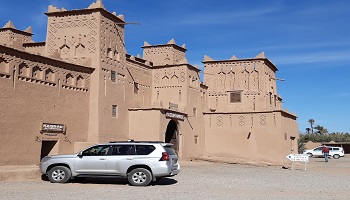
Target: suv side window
(122,150)
(144,149)
(335,149)
(100,150)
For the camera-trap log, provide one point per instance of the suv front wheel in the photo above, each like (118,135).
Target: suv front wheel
(139,177)
(59,174)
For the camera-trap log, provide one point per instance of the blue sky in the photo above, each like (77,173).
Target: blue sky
(308,41)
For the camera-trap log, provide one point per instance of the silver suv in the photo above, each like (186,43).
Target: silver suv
(335,152)
(139,162)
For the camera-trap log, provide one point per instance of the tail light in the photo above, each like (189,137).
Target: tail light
(165,156)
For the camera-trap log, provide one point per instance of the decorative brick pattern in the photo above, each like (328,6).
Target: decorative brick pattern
(241,120)
(219,121)
(263,120)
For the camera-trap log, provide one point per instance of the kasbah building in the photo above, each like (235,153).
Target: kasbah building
(80,87)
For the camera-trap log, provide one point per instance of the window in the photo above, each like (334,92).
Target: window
(96,151)
(113,76)
(235,97)
(122,150)
(136,88)
(144,149)
(115,111)
(194,112)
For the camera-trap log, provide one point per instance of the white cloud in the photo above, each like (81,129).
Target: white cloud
(321,57)
(344,94)
(226,17)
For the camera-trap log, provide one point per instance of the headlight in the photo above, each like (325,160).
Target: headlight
(46,158)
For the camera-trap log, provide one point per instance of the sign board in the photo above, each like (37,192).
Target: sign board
(298,157)
(52,128)
(175,115)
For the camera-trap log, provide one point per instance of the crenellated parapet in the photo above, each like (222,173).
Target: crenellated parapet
(14,38)
(231,82)
(40,70)
(80,36)
(165,54)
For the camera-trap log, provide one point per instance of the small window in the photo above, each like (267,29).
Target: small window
(194,112)
(196,139)
(235,97)
(115,111)
(136,88)
(144,149)
(113,76)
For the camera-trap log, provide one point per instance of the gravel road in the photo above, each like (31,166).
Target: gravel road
(204,180)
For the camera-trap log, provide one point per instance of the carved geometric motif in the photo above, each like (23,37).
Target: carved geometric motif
(52,29)
(241,120)
(91,24)
(219,120)
(263,120)
(182,76)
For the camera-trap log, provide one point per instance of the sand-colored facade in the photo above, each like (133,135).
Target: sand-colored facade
(80,87)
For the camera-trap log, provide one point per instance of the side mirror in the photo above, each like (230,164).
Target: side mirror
(80,154)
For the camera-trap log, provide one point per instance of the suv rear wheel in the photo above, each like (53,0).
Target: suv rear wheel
(140,177)
(59,174)
(336,156)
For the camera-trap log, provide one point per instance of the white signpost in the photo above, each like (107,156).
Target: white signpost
(298,158)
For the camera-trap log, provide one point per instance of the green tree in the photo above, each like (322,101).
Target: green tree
(311,122)
(321,130)
(307,130)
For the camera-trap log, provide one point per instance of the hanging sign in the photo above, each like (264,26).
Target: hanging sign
(175,115)
(56,128)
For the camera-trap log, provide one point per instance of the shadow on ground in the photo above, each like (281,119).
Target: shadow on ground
(114,181)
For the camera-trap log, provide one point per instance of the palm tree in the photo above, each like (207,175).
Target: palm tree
(321,130)
(311,122)
(307,130)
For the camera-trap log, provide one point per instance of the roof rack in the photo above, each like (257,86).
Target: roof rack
(130,140)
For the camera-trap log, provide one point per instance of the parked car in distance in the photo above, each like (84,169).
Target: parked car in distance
(335,152)
(139,162)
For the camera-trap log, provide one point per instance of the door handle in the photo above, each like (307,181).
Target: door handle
(130,159)
(102,159)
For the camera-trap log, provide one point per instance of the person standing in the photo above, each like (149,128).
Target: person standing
(325,151)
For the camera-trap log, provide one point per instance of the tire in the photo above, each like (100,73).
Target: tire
(309,154)
(336,156)
(59,174)
(140,177)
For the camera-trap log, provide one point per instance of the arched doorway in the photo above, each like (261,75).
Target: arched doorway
(171,135)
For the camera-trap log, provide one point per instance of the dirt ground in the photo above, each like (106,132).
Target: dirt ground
(203,180)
